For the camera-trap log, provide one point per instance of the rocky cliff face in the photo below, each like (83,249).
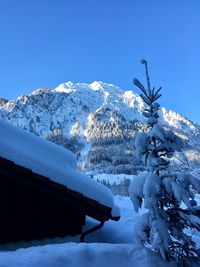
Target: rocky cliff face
(98,122)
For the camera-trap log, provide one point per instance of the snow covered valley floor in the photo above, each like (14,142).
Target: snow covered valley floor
(111,246)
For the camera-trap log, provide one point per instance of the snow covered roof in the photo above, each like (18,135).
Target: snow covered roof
(50,160)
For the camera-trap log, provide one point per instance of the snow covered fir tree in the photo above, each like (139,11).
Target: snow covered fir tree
(172,213)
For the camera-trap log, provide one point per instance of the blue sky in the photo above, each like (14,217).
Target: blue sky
(46,42)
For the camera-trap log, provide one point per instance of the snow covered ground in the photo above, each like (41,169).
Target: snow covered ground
(82,255)
(110,246)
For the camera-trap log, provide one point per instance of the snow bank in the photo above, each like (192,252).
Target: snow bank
(50,160)
(82,255)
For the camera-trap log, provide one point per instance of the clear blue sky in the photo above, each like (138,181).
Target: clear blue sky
(46,42)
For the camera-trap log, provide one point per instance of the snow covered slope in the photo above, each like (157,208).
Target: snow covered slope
(98,122)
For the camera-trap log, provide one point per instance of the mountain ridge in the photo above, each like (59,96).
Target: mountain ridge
(98,122)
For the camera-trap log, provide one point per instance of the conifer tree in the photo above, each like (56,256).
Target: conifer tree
(172,214)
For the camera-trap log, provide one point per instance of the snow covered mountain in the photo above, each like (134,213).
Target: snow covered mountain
(98,122)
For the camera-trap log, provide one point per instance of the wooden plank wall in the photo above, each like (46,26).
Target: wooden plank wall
(27,213)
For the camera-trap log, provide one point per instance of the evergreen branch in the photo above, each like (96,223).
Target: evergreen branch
(146,100)
(152,92)
(146,114)
(140,86)
(155,98)
(143,61)
(158,91)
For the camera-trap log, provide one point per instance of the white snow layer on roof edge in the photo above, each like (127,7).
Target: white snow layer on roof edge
(50,160)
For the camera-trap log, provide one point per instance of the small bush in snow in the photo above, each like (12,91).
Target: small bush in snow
(169,197)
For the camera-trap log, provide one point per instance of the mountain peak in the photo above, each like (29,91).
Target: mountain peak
(99,86)
(65,87)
